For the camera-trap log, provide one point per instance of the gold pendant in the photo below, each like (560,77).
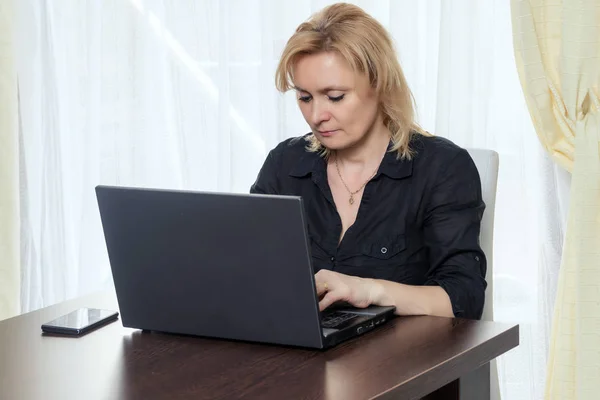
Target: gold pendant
(351,201)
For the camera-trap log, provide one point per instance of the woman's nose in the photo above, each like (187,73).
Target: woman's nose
(319,113)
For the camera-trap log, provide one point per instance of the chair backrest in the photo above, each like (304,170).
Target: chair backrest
(487,165)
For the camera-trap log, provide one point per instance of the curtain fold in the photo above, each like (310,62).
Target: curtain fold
(557,49)
(9,169)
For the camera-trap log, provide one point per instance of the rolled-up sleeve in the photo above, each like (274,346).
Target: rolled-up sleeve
(451,233)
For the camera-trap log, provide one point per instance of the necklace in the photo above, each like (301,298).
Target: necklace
(352,193)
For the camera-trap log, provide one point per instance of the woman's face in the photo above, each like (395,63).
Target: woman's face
(340,106)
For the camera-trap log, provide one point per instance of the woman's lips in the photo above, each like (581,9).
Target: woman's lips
(327,133)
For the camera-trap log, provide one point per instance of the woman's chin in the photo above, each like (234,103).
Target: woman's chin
(333,142)
(336,145)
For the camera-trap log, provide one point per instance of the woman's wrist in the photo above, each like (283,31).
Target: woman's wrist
(378,293)
(410,300)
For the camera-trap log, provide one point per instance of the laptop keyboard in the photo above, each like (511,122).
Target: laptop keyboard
(335,318)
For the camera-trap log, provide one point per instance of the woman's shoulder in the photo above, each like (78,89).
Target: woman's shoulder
(291,151)
(292,145)
(291,156)
(436,150)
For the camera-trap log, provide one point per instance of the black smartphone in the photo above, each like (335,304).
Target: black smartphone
(80,321)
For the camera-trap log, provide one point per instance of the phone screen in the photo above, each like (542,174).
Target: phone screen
(80,320)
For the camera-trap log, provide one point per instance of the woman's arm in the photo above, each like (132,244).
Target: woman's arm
(451,229)
(266,181)
(362,292)
(412,300)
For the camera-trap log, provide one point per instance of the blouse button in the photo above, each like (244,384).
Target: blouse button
(383,250)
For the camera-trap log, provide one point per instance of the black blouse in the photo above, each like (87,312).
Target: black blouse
(418,221)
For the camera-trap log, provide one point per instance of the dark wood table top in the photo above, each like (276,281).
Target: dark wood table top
(404,359)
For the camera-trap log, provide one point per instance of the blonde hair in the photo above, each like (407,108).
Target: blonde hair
(367,48)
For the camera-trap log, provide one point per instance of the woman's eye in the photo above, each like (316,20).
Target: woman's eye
(336,99)
(304,99)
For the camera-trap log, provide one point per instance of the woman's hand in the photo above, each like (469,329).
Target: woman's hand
(333,287)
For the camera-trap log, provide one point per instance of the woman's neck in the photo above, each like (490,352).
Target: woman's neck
(368,153)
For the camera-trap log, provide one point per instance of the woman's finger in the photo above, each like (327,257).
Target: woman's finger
(329,299)
(322,288)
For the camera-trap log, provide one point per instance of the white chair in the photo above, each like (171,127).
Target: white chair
(487,165)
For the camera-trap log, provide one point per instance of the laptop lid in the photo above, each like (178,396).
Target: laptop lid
(234,266)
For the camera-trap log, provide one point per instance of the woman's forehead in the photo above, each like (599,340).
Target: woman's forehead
(324,71)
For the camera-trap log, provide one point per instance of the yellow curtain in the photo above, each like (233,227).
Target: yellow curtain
(557,50)
(9,169)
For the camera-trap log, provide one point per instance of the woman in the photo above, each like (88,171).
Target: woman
(393,213)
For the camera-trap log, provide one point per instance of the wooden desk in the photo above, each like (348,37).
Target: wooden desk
(407,358)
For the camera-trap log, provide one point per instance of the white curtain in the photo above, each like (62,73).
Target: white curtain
(180,94)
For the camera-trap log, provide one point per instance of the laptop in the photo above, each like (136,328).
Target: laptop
(220,265)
